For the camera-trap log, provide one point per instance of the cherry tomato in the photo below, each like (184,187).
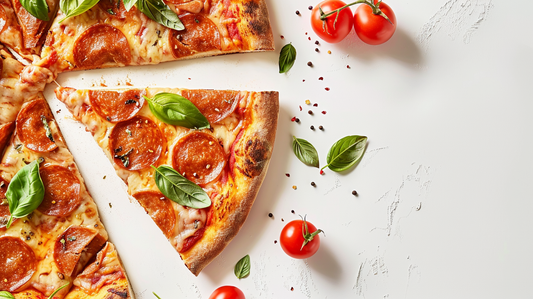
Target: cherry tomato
(294,235)
(227,292)
(332,31)
(374,29)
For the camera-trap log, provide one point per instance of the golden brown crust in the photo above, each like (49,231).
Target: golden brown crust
(252,155)
(255,26)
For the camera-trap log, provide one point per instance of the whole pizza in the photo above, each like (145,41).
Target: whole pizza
(194,159)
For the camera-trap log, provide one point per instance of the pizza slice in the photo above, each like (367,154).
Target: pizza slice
(107,35)
(193,159)
(59,245)
(21,31)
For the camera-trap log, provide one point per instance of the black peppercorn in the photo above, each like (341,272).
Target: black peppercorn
(298,12)
(309,63)
(310,7)
(313,128)
(270,215)
(313,184)
(321,128)
(354,193)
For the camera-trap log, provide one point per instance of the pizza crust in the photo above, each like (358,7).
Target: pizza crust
(255,25)
(257,143)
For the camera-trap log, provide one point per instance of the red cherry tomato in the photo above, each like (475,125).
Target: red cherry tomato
(227,292)
(374,29)
(293,237)
(332,31)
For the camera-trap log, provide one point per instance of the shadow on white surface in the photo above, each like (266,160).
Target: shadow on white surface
(325,262)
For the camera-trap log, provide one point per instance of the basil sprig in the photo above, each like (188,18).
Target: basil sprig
(6,295)
(287,56)
(158,11)
(73,8)
(242,268)
(37,8)
(179,189)
(305,151)
(176,110)
(25,192)
(344,153)
(128,4)
(56,291)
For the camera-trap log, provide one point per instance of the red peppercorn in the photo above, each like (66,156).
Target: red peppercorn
(282,37)
(324,112)
(310,112)
(348,66)
(321,78)
(300,108)
(293,119)
(327,88)
(321,171)
(315,105)
(288,175)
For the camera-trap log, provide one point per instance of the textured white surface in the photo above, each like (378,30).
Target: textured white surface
(444,205)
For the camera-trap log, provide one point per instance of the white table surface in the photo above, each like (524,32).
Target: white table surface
(445,200)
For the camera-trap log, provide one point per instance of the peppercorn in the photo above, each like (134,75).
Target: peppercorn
(321,128)
(297,120)
(310,112)
(270,215)
(298,12)
(313,128)
(317,50)
(309,63)
(310,7)
(317,43)
(354,193)
(313,184)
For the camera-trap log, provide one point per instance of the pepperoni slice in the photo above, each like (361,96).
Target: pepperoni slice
(215,105)
(100,44)
(62,191)
(199,157)
(116,106)
(32,28)
(5,130)
(75,247)
(17,263)
(31,126)
(136,143)
(159,208)
(200,35)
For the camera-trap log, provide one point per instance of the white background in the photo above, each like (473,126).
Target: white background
(444,205)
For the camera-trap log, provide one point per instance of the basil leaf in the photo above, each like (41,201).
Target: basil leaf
(287,56)
(305,151)
(56,291)
(25,192)
(179,189)
(242,268)
(128,4)
(174,109)
(37,8)
(344,153)
(73,8)
(158,11)
(6,295)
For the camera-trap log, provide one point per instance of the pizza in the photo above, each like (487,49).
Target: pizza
(108,36)
(61,247)
(21,31)
(227,158)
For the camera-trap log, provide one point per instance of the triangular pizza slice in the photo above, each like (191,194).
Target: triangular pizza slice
(193,159)
(107,35)
(51,238)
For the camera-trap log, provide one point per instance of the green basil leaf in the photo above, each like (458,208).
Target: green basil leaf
(56,291)
(174,109)
(73,8)
(242,268)
(179,189)
(344,153)
(305,151)
(287,56)
(158,11)
(25,192)
(128,4)
(6,295)
(37,8)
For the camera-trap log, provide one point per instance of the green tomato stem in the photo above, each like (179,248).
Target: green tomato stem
(375,10)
